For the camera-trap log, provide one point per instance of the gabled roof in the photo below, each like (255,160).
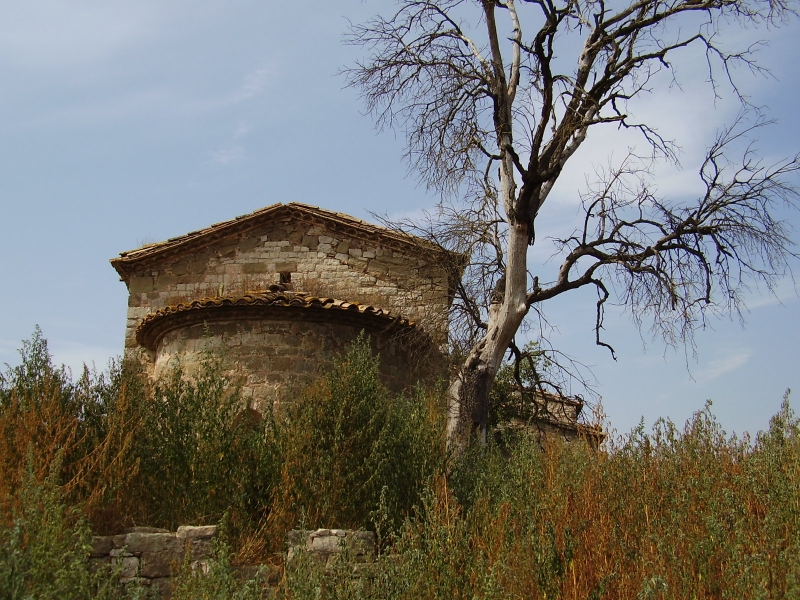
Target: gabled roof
(150,254)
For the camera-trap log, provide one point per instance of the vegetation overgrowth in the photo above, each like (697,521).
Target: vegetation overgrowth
(675,513)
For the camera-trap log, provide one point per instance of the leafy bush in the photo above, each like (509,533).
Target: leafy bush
(44,551)
(199,455)
(674,514)
(354,455)
(86,427)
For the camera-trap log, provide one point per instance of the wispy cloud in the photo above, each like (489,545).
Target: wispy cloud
(720,366)
(785,291)
(233,150)
(164,100)
(228,154)
(252,85)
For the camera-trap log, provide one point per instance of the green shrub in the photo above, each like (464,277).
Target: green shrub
(354,454)
(198,458)
(674,513)
(87,427)
(218,580)
(44,551)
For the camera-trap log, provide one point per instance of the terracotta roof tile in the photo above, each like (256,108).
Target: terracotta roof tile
(155,325)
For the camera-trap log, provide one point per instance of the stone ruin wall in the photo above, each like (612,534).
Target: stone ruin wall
(148,556)
(319,261)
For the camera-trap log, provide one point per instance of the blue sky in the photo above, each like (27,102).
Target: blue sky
(129,122)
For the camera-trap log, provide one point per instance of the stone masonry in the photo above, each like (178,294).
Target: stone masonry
(146,555)
(315,257)
(327,545)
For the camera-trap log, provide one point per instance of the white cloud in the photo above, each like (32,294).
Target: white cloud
(252,85)
(784,292)
(228,154)
(720,366)
(164,100)
(234,150)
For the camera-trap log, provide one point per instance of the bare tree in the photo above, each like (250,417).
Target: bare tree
(492,113)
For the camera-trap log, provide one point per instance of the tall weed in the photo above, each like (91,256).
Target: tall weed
(45,547)
(200,455)
(353,454)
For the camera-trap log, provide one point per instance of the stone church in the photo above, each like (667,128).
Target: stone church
(281,291)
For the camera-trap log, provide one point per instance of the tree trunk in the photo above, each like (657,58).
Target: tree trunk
(468,394)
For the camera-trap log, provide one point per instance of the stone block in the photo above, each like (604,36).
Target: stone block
(146,530)
(182,267)
(197,532)
(358,264)
(200,548)
(247,244)
(327,543)
(140,285)
(164,281)
(378,267)
(255,268)
(227,250)
(152,542)
(343,247)
(101,545)
(159,564)
(129,568)
(286,266)
(309,241)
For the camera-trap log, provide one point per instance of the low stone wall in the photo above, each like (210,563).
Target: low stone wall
(325,545)
(146,554)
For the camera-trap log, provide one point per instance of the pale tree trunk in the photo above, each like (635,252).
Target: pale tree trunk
(468,394)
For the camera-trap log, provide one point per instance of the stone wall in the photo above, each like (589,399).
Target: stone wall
(146,555)
(309,258)
(326,545)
